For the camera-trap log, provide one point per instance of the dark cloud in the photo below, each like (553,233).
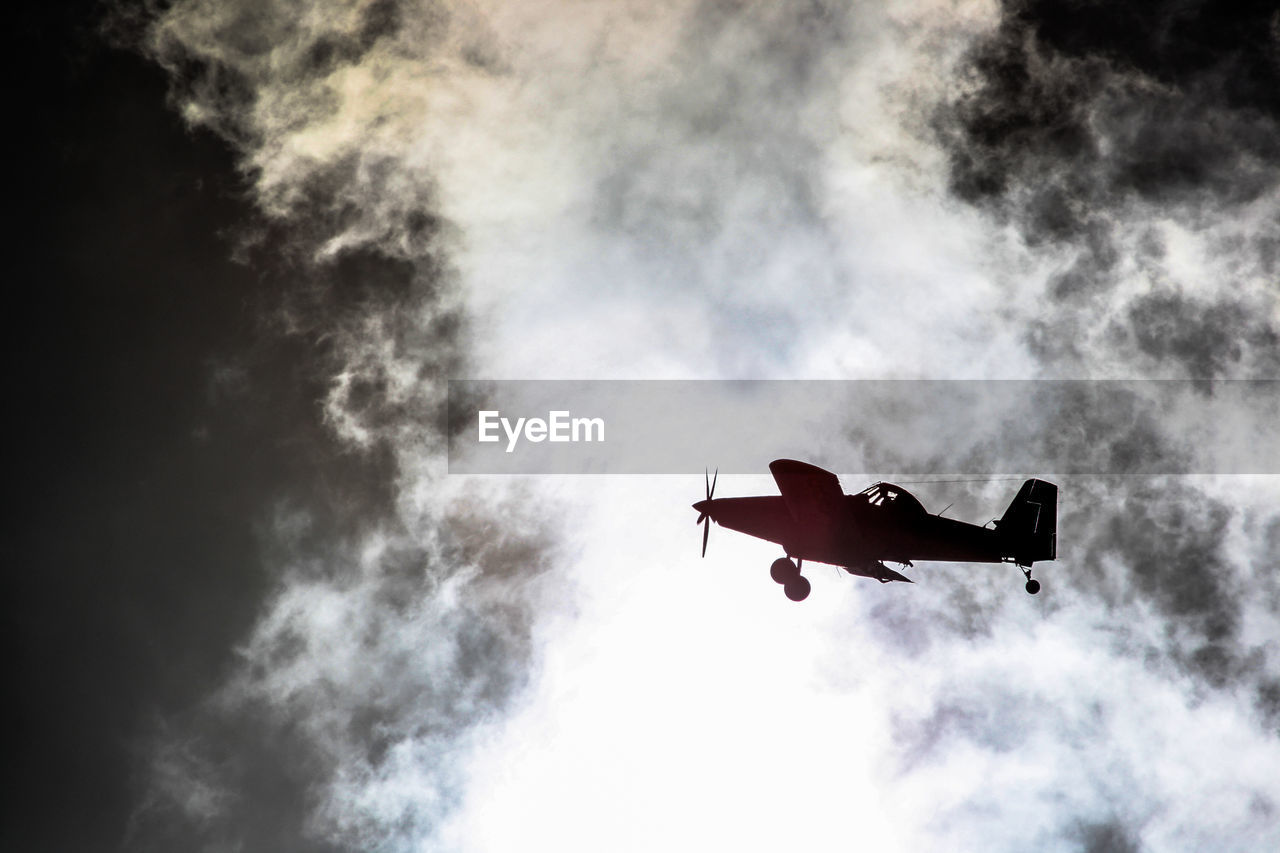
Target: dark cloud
(1063,427)
(180,448)
(134,559)
(257,767)
(1163,543)
(1133,545)
(1075,107)
(378,19)
(260,774)
(1108,836)
(436,629)
(251,32)
(1082,125)
(1210,339)
(1267,703)
(1078,120)
(1087,127)
(1115,428)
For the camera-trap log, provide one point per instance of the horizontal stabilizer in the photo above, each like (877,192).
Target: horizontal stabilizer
(887,575)
(879,571)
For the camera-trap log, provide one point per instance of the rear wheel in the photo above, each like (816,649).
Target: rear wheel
(797,589)
(1033,586)
(783,570)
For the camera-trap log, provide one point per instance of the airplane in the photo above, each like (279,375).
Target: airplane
(813,519)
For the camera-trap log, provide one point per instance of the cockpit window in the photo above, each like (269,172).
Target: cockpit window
(890,496)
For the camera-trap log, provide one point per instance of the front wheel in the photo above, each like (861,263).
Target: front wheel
(1033,586)
(797,589)
(783,571)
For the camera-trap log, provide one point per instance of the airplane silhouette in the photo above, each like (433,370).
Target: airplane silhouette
(813,519)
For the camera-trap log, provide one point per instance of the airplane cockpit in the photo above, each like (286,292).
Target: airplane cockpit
(891,497)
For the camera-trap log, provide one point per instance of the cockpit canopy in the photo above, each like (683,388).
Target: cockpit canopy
(892,497)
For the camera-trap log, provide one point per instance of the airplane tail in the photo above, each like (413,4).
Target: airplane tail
(1029,527)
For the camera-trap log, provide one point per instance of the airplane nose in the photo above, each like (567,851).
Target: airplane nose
(702,506)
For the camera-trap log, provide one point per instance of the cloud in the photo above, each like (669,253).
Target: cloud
(1112,836)
(1042,729)
(1135,152)
(1166,544)
(1139,146)
(1165,568)
(1168,103)
(1208,338)
(399,615)
(725,189)
(343,725)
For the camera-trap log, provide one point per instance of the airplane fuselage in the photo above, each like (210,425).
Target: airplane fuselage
(857,533)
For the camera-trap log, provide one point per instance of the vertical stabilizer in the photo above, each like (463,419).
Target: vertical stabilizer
(1029,527)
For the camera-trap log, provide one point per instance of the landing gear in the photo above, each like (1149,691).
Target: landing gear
(787,573)
(783,570)
(797,589)
(1033,585)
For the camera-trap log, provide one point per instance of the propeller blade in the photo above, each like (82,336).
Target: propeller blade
(704,518)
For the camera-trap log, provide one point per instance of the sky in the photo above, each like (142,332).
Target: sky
(251,610)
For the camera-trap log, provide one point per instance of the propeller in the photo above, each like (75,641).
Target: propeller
(701,506)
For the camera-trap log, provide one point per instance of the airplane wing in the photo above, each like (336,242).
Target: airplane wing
(810,493)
